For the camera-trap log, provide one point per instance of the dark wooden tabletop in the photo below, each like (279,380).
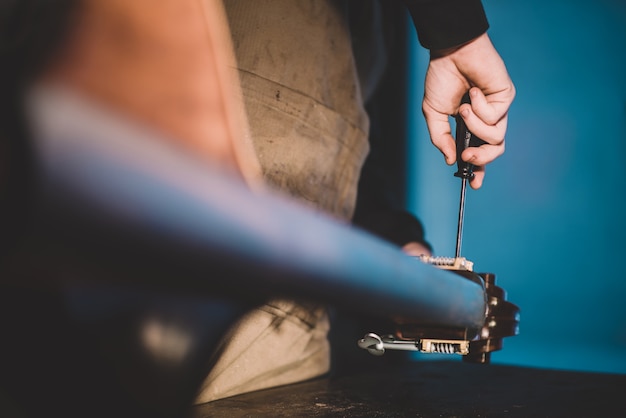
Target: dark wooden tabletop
(436,389)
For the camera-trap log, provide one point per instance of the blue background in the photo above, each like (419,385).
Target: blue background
(550,219)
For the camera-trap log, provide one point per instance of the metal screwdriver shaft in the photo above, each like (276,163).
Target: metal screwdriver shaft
(464,139)
(459,230)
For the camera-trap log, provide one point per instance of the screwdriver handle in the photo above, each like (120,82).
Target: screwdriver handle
(465,139)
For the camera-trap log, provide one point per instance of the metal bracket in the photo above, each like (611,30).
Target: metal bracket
(377,345)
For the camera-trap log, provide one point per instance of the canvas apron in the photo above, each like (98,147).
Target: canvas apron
(309,130)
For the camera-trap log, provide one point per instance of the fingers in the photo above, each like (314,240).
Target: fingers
(492,107)
(479,176)
(479,157)
(486,118)
(440,133)
(441,137)
(484,154)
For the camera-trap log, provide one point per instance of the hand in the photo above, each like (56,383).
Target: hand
(475,66)
(416,249)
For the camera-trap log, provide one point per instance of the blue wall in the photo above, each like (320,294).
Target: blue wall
(550,220)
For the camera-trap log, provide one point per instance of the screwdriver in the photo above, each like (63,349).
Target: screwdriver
(465,170)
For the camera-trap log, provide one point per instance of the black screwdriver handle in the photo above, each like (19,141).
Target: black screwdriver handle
(465,139)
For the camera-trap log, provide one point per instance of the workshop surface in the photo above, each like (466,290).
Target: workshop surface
(436,389)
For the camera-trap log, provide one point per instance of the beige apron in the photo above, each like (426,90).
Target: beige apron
(309,130)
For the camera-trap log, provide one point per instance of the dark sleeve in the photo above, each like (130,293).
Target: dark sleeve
(381,198)
(444,24)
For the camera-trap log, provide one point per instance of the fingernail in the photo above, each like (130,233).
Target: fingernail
(473,92)
(465,112)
